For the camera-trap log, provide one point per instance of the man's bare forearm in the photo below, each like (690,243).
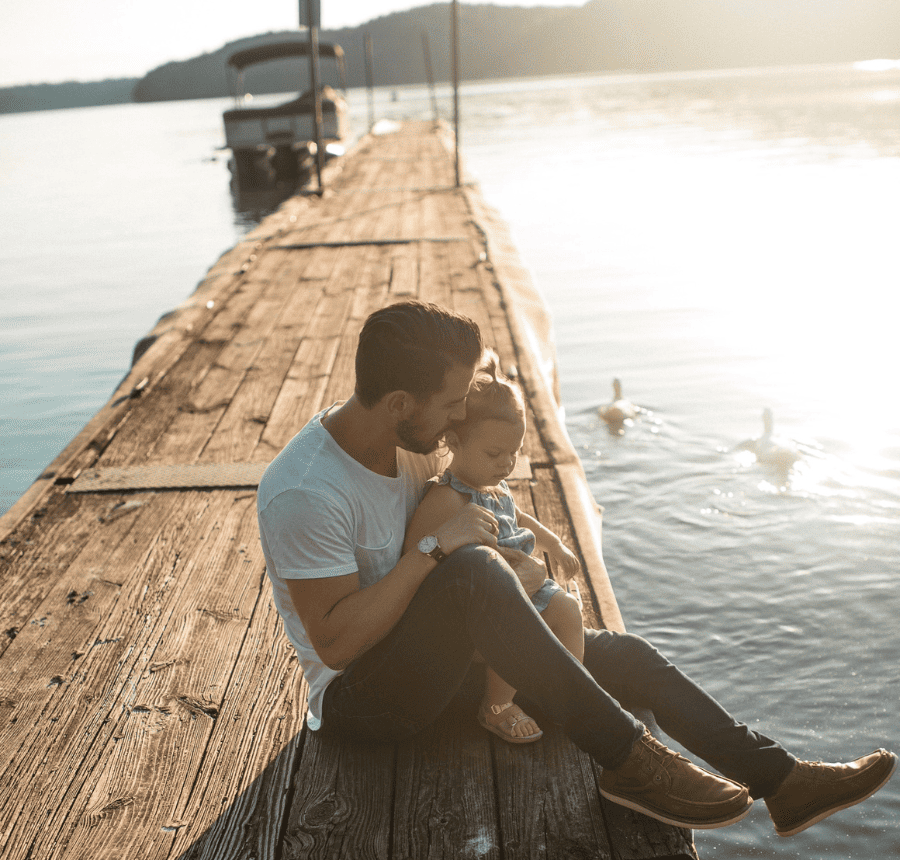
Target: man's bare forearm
(362,619)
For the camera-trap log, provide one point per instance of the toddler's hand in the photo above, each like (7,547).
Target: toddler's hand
(531,572)
(566,560)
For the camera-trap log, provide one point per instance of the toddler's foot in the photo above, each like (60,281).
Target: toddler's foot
(510,722)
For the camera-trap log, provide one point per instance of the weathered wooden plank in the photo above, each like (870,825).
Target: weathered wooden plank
(366,283)
(300,395)
(211,335)
(404,271)
(154,411)
(487,285)
(343,794)
(445,804)
(430,222)
(238,432)
(370,291)
(411,222)
(453,212)
(237,812)
(637,837)
(127,794)
(97,629)
(329,218)
(312,372)
(378,217)
(547,799)
(551,510)
(434,279)
(197,419)
(34,554)
(65,626)
(467,296)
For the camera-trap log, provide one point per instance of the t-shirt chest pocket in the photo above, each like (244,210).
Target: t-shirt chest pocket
(377,556)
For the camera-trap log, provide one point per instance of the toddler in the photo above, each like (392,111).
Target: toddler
(485,446)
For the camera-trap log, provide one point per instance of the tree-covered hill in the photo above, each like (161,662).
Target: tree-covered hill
(29,97)
(506,41)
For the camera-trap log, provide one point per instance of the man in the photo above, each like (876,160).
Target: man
(386,638)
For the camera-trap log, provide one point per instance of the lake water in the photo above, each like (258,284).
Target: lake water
(722,242)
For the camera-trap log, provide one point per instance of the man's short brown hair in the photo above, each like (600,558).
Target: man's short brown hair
(410,346)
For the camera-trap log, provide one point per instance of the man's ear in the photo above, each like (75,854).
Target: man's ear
(400,404)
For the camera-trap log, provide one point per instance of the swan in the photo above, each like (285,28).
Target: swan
(770,449)
(619,411)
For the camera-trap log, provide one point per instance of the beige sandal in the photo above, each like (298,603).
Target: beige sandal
(504,728)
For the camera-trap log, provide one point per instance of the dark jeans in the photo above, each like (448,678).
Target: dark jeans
(473,601)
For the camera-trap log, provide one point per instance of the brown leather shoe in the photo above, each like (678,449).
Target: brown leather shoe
(666,786)
(813,790)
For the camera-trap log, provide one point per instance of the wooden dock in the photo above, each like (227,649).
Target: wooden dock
(150,704)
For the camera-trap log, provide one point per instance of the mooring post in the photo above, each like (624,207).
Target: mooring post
(454,63)
(369,84)
(312,24)
(429,73)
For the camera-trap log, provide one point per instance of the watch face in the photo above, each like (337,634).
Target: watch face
(427,544)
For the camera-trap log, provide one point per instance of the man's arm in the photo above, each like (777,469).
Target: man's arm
(441,503)
(343,622)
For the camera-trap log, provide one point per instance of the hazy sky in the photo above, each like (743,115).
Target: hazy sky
(56,40)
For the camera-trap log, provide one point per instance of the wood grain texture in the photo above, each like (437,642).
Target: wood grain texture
(445,798)
(548,804)
(238,811)
(343,795)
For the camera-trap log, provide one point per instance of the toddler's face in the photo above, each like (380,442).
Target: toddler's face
(489,453)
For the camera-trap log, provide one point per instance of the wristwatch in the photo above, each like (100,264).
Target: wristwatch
(430,546)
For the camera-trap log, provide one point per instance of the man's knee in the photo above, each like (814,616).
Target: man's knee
(624,648)
(478,557)
(479,566)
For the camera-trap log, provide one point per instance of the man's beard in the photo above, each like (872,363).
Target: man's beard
(407,433)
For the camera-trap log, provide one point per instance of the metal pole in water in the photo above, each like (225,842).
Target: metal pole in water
(426,52)
(454,62)
(312,23)
(369,85)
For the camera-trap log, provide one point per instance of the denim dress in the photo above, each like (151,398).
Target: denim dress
(512,535)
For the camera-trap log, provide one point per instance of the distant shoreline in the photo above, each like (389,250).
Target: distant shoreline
(37,95)
(26,98)
(508,42)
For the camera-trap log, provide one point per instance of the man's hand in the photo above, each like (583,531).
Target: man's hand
(473,524)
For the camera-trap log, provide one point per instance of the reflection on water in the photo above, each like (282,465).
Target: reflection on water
(251,205)
(725,243)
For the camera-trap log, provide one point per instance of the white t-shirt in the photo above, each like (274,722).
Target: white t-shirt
(321,513)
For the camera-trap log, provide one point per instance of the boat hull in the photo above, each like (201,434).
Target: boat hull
(274,142)
(289,123)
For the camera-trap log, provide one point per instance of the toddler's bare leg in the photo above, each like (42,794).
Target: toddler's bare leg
(563,617)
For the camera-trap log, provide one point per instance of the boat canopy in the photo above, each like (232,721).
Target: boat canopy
(279,50)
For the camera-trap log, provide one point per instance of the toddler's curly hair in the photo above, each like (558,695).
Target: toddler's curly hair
(492,395)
